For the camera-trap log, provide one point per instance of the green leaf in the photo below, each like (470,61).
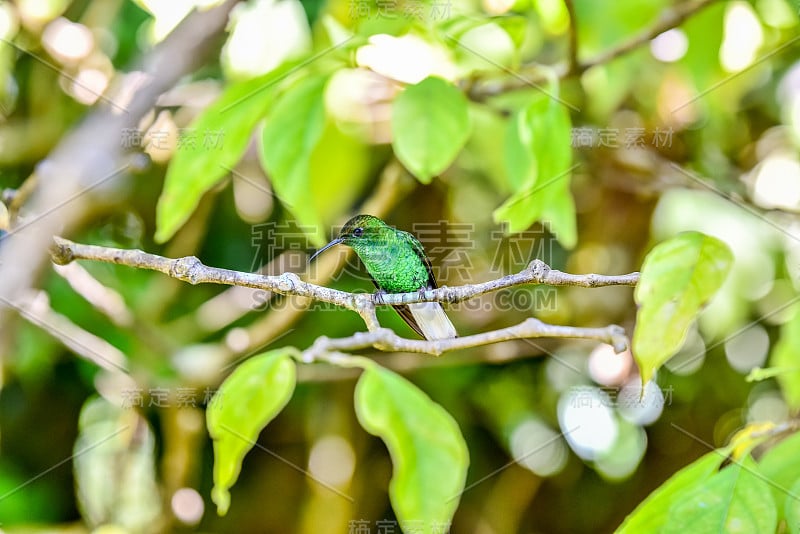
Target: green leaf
(653,512)
(736,499)
(246,401)
(792,507)
(520,147)
(759,374)
(516,26)
(481,154)
(430,125)
(625,19)
(428,452)
(291,133)
(786,356)
(705,33)
(538,156)
(339,169)
(193,171)
(679,277)
(781,466)
(115,475)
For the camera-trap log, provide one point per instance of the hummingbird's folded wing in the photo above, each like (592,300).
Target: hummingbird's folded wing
(428,319)
(404,312)
(420,251)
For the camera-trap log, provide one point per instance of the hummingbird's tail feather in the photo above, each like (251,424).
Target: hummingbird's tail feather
(405,313)
(432,320)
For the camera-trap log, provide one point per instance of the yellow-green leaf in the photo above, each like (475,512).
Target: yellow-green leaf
(429,455)
(430,125)
(538,158)
(791,505)
(244,404)
(734,500)
(291,133)
(194,169)
(781,466)
(786,358)
(679,277)
(653,512)
(339,170)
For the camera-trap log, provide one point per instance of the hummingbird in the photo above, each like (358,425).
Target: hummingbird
(397,263)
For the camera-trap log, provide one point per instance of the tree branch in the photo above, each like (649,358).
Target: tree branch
(670,18)
(393,184)
(532,74)
(386,339)
(83,171)
(572,55)
(104,299)
(35,307)
(192,270)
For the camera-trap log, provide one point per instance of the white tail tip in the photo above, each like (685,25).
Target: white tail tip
(432,320)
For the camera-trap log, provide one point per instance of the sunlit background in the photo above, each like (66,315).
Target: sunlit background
(698,129)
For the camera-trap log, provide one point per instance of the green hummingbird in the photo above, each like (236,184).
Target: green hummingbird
(397,263)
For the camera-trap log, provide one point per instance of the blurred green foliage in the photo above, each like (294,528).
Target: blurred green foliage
(466,123)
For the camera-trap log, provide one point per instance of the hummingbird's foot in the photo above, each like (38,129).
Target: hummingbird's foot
(421,291)
(378,296)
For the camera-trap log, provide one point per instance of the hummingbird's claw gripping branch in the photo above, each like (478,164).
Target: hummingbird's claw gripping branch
(377,297)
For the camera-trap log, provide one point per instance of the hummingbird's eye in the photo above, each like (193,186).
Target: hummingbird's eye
(358,232)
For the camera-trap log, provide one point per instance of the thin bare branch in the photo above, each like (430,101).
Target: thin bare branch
(393,184)
(192,270)
(35,308)
(385,339)
(670,18)
(84,170)
(482,87)
(106,300)
(572,54)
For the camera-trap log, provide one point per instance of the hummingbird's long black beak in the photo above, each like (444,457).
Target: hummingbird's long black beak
(326,247)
